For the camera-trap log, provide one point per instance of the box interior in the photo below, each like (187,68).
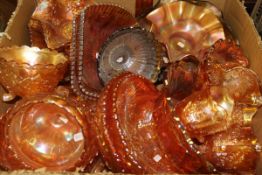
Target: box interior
(233,11)
(6,10)
(16,31)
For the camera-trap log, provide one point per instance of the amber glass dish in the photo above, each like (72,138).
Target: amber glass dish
(28,71)
(48,131)
(187,30)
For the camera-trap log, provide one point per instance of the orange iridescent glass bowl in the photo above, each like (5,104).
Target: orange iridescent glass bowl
(36,34)
(47,131)
(55,18)
(140,130)
(235,150)
(203,3)
(28,71)
(185,28)
(137,132)
(183,77)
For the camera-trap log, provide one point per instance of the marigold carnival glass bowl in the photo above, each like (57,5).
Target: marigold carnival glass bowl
(236,150)
(55,18)
(49,131)
(26,71)
(136,131)
(203,3)
(37,37)
(140,130)
(185,28)
(183,77)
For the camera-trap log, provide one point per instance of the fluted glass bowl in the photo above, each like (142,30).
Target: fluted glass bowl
(185,28)
(26,71)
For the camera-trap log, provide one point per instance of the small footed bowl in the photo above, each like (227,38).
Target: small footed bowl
(27,71)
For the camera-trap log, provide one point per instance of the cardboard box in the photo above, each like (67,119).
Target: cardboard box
(234,14)
(16,31)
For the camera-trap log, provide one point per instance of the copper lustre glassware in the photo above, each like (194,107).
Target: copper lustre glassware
(206,112)
(50,131)
(184,77)
(130,49)
(26,71)
(236,150)
(185,28)
(91,28)
(55,18)
(140,130)
(211,109)
(37,37)
(222,56)
(136,131)
(243,85)
(217,108)
(226,54)
(226,65)
(203,3)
